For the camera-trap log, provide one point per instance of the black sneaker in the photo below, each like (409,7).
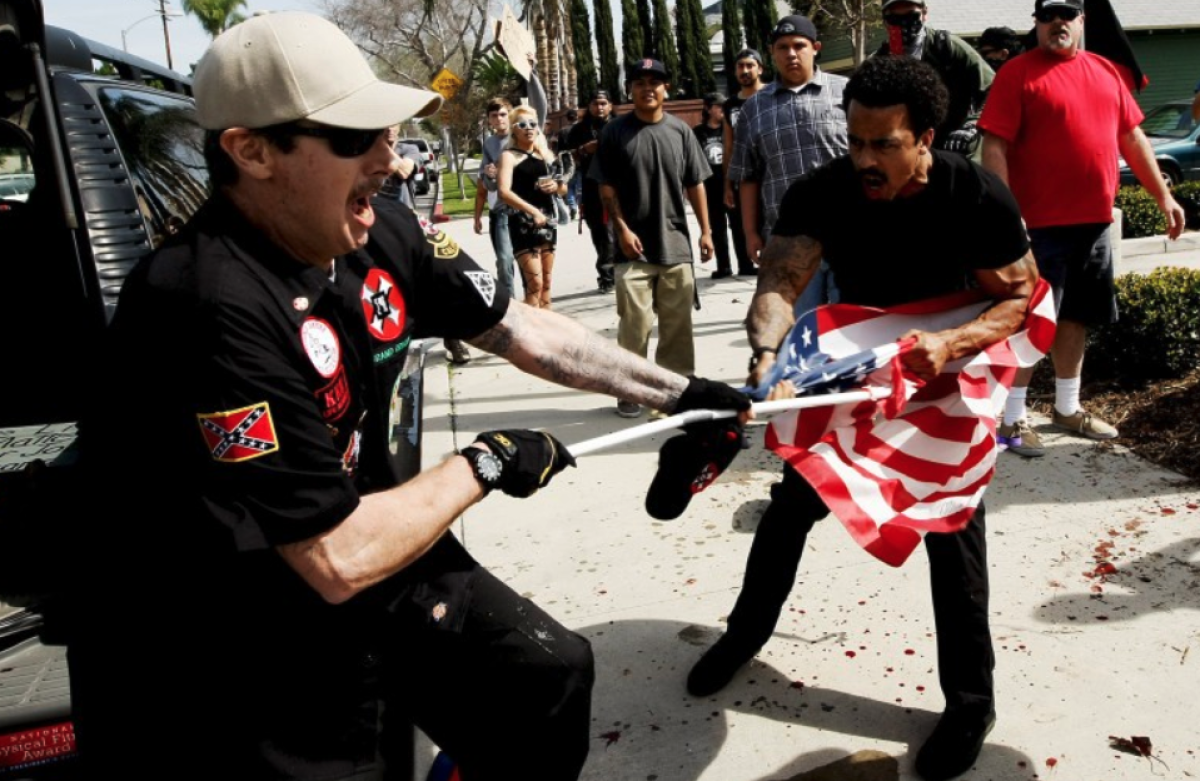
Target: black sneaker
(719,664)
(747,272)
(721,273)
(954,745)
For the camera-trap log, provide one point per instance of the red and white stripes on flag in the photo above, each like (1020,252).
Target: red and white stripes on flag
(894,469)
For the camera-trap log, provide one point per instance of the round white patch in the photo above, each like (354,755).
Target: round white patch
(322,346)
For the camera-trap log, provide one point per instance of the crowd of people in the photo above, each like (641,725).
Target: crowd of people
(318,599)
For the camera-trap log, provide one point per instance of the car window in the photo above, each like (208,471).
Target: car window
(1171,121)
(16,171)
(163,148)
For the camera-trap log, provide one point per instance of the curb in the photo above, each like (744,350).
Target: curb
(1158,245)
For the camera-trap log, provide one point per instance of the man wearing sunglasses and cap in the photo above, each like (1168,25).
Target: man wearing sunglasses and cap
(1051,94)
(305,601)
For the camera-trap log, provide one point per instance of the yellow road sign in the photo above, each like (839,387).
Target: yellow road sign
(446,83)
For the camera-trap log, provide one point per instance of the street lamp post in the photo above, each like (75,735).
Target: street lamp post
(161,12)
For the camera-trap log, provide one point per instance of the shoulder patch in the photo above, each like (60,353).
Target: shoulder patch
(444,247)
(485,285)
(240,434)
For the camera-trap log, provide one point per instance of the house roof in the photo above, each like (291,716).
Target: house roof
(971,18)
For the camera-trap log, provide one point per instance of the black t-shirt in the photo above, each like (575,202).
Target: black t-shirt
(884,253)
(712,141)
(584,131)
(733,110)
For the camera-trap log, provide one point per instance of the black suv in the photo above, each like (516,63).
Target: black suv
(103,168)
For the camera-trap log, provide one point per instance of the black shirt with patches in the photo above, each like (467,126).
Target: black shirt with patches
(885,253)
(248,401)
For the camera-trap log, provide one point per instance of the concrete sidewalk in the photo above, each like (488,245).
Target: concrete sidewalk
(852,668)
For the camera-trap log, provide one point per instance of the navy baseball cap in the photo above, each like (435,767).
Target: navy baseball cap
(647,67)
(795,25)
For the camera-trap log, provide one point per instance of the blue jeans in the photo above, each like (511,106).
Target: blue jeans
(502,244)
(575,189)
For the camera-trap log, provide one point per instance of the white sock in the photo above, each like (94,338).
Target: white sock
(1014,406)
(1066,395)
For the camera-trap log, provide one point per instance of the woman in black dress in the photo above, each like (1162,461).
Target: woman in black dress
(526,181)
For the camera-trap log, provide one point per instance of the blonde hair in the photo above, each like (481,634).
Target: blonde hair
(539,140)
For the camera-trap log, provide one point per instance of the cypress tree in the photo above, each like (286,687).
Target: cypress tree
(760,20)
(697,49)
(606,44)
(664,41)
(648,48)
(633,42)
(581,36)
(731,25)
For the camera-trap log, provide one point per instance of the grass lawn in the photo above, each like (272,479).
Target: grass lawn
(457,202)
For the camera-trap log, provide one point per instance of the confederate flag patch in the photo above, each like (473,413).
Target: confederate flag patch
(240,434)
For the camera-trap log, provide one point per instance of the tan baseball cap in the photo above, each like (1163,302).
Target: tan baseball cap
(282,67)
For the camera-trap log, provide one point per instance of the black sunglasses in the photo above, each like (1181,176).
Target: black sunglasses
(1047,15)
(896,20)
(343,141)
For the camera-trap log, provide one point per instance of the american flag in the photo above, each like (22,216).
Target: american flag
(916,462)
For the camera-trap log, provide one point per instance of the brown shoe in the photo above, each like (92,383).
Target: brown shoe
(1085,424)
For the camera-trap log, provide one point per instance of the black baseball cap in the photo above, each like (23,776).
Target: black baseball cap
(600,94)
(647,67)
(795,25)
(751,54)
(886,3)
(1073,4)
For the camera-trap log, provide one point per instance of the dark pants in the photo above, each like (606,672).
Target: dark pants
(745,263)
(605,244)
(958,580)
(718,219)
(499,685)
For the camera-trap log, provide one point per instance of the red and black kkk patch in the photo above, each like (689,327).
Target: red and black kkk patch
(240,434)
(383,306)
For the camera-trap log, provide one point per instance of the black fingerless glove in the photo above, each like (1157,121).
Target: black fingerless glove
(530,459)
(706,394)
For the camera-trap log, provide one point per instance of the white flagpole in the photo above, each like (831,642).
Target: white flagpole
(589,446)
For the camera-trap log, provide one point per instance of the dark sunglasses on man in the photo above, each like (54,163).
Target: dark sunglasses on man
(343,141)
(1048,15)
(900,20)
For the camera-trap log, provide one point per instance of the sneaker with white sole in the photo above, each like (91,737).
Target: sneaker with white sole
(1085,424)
(1021,439)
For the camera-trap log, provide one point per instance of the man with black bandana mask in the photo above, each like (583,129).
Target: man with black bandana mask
(967,76)
(998,45)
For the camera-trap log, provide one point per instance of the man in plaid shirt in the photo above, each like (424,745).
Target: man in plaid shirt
(787,129)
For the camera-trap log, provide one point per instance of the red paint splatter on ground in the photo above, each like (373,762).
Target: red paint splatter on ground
(797,685)
(1105,568)
(1051,762)
(1167,511)
(862,601)
(851,654)
(602,591)
(890,669)
(1097,589)
(909,652)
(1191,506)
(611,737)
(920,688)
(690,581)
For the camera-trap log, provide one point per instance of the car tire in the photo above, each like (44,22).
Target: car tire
(1170,174)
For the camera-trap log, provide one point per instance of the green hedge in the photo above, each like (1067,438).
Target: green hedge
(1188,195)
(1158,334)
(1140,215)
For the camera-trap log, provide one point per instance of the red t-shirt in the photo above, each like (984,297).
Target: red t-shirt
(1061,119)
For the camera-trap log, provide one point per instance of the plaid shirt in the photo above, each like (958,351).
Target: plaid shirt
(782,134)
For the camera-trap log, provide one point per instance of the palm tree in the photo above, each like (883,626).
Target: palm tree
(215,16)
(550,22)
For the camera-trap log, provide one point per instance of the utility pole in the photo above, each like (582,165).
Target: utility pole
(162,10)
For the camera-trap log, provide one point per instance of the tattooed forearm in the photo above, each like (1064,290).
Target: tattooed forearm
(558,349)
(608,196)
(786,265)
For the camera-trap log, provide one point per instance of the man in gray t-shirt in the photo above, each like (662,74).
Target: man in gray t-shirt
(646,163)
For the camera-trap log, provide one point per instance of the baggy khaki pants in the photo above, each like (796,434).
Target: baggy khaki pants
(648,289)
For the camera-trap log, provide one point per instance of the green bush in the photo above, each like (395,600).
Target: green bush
(1188,195)
(1140,215)
(1158,334)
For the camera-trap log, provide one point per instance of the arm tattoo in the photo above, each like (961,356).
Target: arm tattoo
(787,264)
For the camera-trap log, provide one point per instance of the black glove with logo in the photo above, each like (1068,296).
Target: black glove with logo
(690,462)
(530,459)
(965,140)
(706,394)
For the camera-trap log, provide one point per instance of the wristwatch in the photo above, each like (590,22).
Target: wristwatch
(486,466)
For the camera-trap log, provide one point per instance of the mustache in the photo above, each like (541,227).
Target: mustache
(871,173)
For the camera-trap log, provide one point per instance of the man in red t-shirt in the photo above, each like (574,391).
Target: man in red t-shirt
(1055,121)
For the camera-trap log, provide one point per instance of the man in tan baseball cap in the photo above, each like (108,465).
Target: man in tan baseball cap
(318,604)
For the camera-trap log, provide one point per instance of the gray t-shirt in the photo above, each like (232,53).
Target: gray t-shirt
(650,166)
